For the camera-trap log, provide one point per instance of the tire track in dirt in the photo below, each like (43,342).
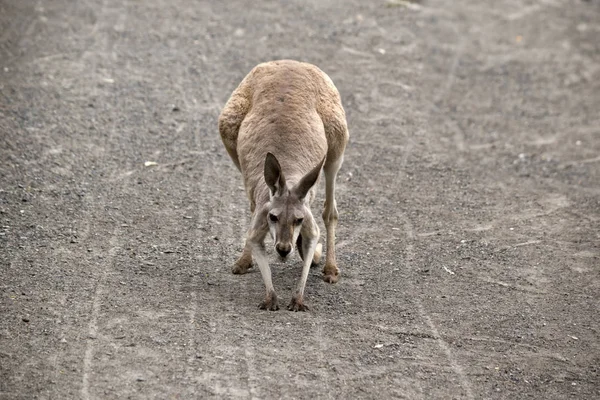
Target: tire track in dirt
(101,47)
(79,260)
(226,355)
(219,225)
(443,345)
(92,332)
(81,233)
(100,277)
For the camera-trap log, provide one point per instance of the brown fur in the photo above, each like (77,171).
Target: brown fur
(292,110)
(282,107)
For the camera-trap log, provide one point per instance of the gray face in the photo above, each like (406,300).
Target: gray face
(285,217)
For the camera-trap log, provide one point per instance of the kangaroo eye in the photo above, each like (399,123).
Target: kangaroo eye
(299,221)
(273,218)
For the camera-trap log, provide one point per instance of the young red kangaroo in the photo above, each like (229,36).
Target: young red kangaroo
(281,126)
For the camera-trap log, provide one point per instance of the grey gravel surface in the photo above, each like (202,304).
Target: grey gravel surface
(469,200)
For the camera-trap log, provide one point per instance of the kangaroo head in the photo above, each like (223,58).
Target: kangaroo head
(287,208)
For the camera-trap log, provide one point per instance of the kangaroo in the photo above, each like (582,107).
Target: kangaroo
(281,126)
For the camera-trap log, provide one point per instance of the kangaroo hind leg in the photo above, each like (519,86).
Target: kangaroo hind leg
(331,272)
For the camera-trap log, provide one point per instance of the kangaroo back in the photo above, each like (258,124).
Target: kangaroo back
(282,120)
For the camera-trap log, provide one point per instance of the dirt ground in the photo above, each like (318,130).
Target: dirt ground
(469,233)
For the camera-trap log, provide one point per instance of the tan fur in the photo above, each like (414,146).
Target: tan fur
(292,110)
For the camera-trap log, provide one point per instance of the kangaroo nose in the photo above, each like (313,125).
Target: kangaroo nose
(283,250)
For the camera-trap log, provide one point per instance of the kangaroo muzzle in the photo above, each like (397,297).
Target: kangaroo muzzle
(283,249)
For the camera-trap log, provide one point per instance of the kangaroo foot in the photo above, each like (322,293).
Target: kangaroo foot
(297,304)
(331,274)
(241,267)
(269,303)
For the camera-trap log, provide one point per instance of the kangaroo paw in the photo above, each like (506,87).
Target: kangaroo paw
(240,268)
(269,303)
(331,274)
(297,304)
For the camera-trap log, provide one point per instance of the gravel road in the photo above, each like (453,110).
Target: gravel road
(469,200)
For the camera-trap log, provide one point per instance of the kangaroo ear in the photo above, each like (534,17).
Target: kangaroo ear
(273,175)
(308,181)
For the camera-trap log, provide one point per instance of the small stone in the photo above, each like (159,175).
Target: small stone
(25,319)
